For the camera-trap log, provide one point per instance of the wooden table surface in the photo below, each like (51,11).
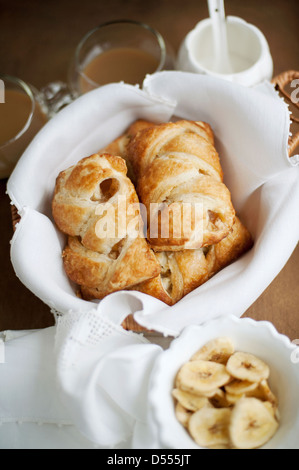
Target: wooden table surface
(37,41)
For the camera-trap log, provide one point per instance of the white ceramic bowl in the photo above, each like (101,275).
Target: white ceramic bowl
(259,338)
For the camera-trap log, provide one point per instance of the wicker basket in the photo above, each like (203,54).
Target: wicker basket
(280,82)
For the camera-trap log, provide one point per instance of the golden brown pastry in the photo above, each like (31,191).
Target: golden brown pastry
(81,193)
(182,158)
(184,271)
(119,146)
(180,182)
(96,205)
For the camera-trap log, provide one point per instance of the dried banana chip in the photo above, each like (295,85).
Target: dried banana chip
(217,350)
(189,400)
(224,399)
(219,399)
(233,398)
(182,414)
(240,387)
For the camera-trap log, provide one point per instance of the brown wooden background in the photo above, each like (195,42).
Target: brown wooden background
(37,41)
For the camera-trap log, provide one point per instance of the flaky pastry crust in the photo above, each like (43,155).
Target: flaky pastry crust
(106,251)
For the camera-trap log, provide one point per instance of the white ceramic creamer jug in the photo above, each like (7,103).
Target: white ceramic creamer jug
(249,52)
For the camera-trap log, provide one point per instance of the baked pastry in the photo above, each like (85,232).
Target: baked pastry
(119,146)
(96,195)
(99,274)
(184,271)
(180,182)
(96,205)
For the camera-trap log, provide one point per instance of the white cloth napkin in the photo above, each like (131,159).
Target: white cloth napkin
(104,373)
(81,384)
(251,127)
